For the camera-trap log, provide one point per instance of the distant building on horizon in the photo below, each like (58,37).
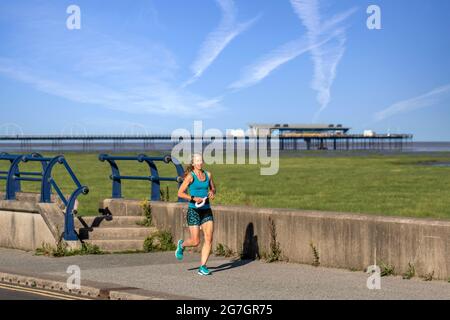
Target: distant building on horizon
(302,129)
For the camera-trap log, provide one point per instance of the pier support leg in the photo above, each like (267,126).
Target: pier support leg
(308,144)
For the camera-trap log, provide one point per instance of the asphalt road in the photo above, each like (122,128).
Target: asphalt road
(231,279)
(23,294)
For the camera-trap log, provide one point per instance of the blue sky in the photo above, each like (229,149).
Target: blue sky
(152,66)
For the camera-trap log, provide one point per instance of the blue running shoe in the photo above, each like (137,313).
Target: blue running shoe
(203,271)
(179,251)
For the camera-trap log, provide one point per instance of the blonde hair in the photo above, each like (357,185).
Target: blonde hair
(190,166)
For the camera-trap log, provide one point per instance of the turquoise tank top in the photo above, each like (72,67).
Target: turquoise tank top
(199,189)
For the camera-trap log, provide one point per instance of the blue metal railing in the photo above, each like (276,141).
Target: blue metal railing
(154,177)
(14,176)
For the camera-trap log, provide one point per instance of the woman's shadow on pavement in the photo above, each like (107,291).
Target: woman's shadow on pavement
(250,252)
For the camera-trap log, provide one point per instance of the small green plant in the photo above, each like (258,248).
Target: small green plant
(62,250)
(429,276)
(274,253)
(148,219)
(159,241)
(316,257)
(45,250)
(223,251)
(386,269)
(165,196)
(87,249)
(410,273)
(241,255)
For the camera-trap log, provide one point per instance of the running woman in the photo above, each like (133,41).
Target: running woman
(198,182)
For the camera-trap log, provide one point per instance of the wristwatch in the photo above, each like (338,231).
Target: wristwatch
(192,198)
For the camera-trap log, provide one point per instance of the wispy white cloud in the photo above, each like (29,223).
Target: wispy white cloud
(320,41)
(259,70)
(429,99)
(326,58)
(219,39)
(90,67)
(95,66)
(146,96)
(329,24)
(210,103)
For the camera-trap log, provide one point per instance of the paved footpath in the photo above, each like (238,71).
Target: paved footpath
(231,279)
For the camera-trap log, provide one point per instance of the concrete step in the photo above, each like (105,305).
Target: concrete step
(117,245)
(122,207)
(107,221)
(116,233)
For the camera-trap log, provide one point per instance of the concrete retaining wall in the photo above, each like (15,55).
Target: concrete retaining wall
(342,240)
(26,224)
(22,230)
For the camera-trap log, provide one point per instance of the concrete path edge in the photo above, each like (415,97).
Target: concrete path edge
(91,289)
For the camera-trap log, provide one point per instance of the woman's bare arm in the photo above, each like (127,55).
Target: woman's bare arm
(182,191)
(212,187)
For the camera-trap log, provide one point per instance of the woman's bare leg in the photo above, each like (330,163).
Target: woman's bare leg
(208,229)
(194,240)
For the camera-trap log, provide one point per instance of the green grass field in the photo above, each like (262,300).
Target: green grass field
(397,185)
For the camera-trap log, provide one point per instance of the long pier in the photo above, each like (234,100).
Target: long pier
(123,143)
(345,142)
